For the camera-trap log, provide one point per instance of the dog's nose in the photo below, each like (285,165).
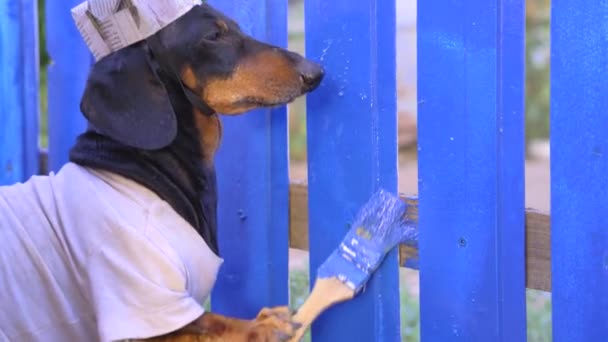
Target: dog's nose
(311,74)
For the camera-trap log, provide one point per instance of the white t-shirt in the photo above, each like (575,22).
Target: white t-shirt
(92,256)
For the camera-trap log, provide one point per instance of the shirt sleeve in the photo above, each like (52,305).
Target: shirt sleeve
(138,291)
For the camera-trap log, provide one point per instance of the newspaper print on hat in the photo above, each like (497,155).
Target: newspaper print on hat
(110,25)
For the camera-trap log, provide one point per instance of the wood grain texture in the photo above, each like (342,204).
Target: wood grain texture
(538,237)
(538,250)
(298,216)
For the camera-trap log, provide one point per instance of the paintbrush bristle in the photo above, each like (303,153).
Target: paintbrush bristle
(379,226)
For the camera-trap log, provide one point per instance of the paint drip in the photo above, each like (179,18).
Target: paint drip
(380,225)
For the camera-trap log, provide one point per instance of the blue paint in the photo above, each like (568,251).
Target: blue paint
(252,169)
(579,170)
(471,170)
(379,226)
(471,153)
(351,121)
(18,90)
(67,75)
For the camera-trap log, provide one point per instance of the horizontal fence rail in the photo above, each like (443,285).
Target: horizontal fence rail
(537,248)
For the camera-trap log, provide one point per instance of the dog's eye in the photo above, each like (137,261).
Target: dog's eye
(212,35)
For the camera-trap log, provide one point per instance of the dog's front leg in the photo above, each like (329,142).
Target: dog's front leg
(271,325)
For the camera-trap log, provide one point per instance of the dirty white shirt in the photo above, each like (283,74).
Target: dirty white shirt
(92,256)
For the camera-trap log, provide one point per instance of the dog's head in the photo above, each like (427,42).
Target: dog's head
(219,67)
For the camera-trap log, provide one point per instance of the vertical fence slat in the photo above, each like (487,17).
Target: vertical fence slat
(18,90)
(70,61)
(31,85)
(579,170)
(253,184)
(471,170)
(352,142)
(511,151)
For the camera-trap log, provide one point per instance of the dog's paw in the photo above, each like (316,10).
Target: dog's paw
(272,325)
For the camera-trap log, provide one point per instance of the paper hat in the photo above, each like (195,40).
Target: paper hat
(110,25)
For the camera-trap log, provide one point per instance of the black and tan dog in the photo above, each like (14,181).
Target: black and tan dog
(152,113)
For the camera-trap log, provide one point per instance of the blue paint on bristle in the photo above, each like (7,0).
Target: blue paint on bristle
(379,226)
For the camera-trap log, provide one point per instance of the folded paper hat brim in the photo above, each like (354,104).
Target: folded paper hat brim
(110,25)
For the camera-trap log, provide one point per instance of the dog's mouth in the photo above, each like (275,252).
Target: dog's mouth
(288,97)
(267,103)
(264,103)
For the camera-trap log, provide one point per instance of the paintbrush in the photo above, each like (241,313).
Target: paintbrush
(379,226)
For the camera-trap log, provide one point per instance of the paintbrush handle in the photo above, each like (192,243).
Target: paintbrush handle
(325,293)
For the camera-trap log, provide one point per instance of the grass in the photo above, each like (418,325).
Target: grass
(539,316)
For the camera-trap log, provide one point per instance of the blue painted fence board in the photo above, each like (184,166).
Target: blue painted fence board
(351,121)
(579,170)
(18,90)
(67,75)
(471,170)
(253,183)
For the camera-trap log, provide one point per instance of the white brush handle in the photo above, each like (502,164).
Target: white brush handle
(325,293)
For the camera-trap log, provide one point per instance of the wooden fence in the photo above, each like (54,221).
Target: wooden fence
(479,246)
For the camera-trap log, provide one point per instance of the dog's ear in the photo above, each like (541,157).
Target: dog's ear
(125,100)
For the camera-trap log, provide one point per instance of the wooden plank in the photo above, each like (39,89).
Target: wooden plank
(538,250)
(538,233)
(18,90)
(254,191)
(352,150)
(67,75)
(579,169)
(471,151)
(298,216)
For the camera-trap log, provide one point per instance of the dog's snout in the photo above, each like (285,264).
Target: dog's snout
(311,74)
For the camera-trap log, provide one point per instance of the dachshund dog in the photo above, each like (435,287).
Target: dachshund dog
(121,243)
